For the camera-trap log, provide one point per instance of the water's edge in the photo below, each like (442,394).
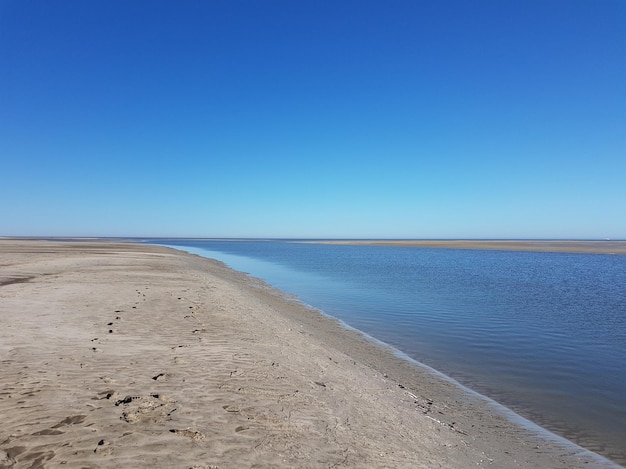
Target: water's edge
(498,408)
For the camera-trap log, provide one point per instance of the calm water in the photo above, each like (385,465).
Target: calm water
(542,333)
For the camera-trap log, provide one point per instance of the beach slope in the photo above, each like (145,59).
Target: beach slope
(129,355)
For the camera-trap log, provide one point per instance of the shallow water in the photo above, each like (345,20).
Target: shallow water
(542,333)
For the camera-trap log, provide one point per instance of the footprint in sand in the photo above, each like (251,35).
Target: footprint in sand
(194,435)
(47,432)
(103,448)
(72,419)
(154,408)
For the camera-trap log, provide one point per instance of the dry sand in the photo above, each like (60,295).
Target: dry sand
(596,247)
(122,355)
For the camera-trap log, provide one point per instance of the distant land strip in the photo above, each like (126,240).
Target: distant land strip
(598,247)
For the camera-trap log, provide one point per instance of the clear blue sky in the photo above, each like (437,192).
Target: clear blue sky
(293,118)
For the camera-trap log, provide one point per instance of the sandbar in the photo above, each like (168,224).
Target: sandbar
(592,246)
(130,355)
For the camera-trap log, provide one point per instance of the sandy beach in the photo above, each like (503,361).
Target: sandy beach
(597,247)
(127,355)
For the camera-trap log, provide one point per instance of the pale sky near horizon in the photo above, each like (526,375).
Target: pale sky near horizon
(282,118)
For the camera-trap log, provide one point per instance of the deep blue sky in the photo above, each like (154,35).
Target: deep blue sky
(413,119)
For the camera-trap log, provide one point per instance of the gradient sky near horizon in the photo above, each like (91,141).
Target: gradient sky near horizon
(283,118)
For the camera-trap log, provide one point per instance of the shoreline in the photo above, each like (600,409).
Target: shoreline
(573,246)
(218,368)
(515,416)
(607,246)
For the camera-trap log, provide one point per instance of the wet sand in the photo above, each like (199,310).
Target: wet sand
(128,355)
(598,247)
